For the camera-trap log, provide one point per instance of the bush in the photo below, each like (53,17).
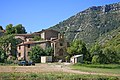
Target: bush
(95,59)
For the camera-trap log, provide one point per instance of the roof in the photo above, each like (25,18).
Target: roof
(23,34)
(75,56)
(27,35)
(2,31)
(45,30)
(33,42)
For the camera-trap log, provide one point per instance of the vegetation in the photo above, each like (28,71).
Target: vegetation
(99,28)
(53,76)
(37,38)
(91,23)
(98,68)
(36,52)
(2,55)
(109,52)
(8,43)
(18,29)
(7,47)
(78,47)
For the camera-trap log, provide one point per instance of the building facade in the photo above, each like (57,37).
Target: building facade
(50,38)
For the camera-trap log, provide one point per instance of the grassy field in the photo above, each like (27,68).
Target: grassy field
(98,68)
(52,76)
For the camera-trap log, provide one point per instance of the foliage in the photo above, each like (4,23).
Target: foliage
(104,54)
(97,55)
(111,55)
(78,47)
(98,68)
(35,53)
(2,55)
(67,58)
(53,76)
(49,51)
(37,38)
(18,29)
(10,29)
(8,44)
(94,22)
(95,59)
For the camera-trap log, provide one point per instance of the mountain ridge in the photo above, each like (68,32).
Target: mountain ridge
(91,23)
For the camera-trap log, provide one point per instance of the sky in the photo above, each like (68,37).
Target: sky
(36,15)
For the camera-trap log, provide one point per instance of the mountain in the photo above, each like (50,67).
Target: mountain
(91,24)
(112,37)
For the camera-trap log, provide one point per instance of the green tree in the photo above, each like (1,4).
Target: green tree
(95,50)
(3,56)
(97,54)
(49,51)
(8,43)
(37,38)
(111,55)
(78,47)
(10,29)
(35,53)
(19,29)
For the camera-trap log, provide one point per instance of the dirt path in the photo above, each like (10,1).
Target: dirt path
(41,68)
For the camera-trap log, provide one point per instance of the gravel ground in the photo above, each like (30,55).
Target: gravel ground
(50,67)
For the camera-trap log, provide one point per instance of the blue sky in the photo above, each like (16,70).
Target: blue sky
(42,14)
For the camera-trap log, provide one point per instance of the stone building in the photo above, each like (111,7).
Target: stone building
(24,48)
(50,38)
(26,37)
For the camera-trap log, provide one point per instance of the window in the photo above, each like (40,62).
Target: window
(19,54)
(19,47)
(28,45)
(28,54)
(61,44)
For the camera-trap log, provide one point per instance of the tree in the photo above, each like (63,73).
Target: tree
(111,55)
(37,38)
(78,47)
(19,29)
(8,44)
(35,53)
(97,54)
(10,29)
(49,51)
(96,49)
(3,56)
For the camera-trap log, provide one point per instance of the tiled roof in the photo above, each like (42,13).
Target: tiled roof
(33,42)
(27,35)
(44,30)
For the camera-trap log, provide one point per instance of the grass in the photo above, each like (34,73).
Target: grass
(52,76)
(5,64)
(98,68)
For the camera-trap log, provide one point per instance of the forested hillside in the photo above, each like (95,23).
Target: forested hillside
(91,24)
